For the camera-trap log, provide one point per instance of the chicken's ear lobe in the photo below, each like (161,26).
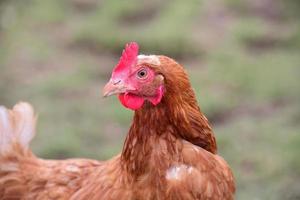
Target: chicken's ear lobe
(157,99)
(128,59)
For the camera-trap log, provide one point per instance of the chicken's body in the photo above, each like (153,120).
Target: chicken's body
(169,153)
(181,176)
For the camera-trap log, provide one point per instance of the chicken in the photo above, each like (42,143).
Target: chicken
(169,153)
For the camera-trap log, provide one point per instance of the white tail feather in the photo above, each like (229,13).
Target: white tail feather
(5,128)
(16,126)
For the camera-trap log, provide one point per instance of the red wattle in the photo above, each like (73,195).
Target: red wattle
(131,101)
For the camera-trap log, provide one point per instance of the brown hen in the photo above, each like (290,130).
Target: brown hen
(169,153)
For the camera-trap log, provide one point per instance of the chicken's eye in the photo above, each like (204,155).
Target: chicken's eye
(142,74)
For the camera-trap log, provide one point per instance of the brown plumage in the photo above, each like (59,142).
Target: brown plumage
(169,153)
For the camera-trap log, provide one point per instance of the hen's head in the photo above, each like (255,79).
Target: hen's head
(139,78)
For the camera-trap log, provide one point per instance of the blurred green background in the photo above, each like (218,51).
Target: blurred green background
(243,58)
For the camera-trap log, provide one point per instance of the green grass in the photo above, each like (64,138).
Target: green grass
(58,55)
(159,33)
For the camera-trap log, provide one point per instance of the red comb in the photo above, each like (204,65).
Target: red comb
(128,58)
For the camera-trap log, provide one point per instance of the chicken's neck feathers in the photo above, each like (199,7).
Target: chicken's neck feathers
(159,128)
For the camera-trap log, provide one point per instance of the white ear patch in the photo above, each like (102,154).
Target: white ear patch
(152,59)
(176,172)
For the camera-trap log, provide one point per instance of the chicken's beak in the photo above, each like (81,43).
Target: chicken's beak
(115,87)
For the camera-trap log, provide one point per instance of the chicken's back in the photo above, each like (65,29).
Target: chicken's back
(30,178)
(22,175)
